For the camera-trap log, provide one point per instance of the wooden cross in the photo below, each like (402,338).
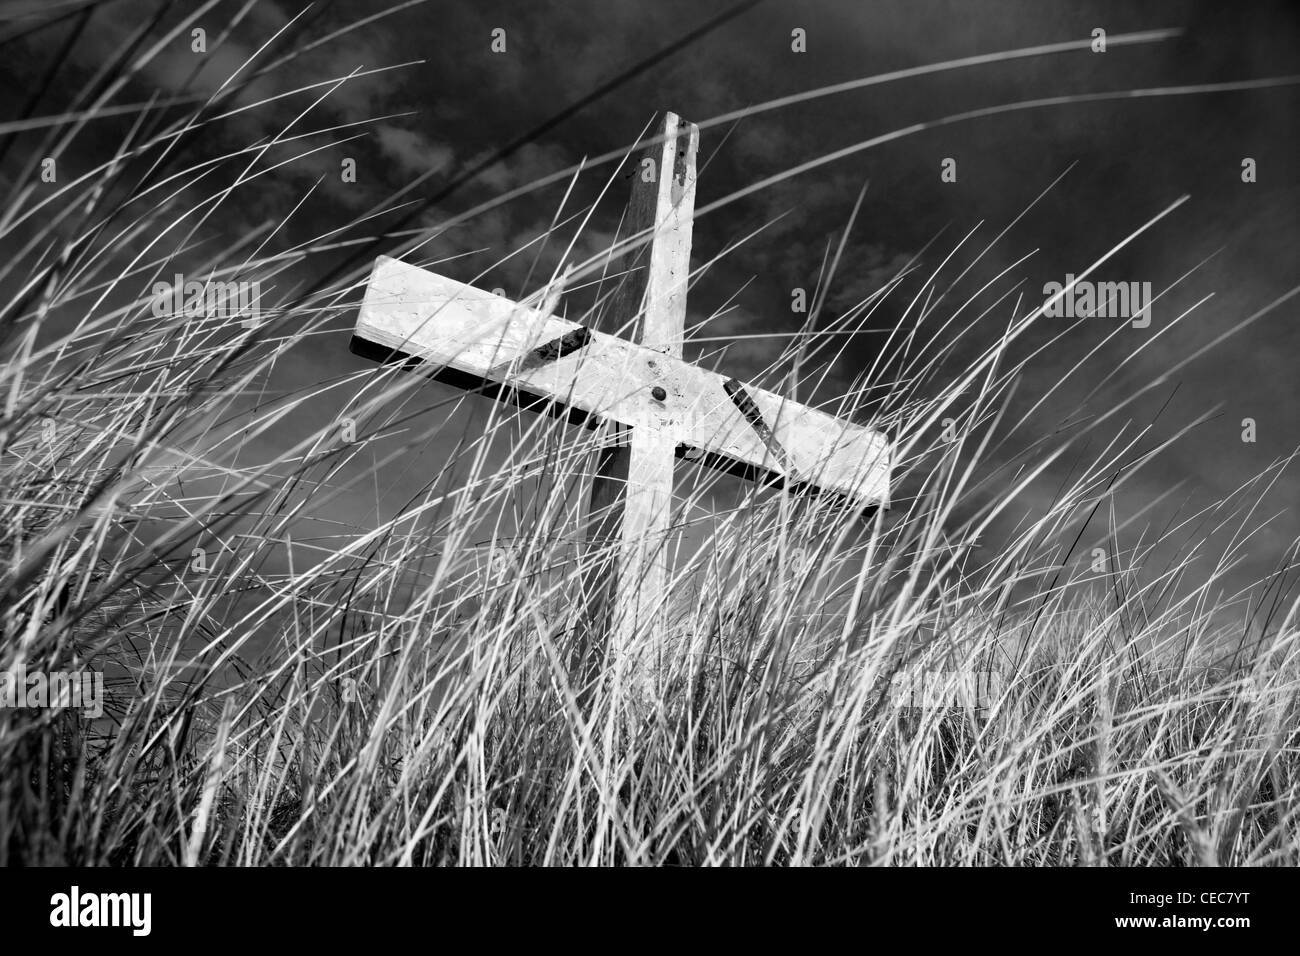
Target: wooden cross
(657,405)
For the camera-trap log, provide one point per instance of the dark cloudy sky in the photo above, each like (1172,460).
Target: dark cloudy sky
(1131,159)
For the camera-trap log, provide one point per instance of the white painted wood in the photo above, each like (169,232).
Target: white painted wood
(447,323)
(635,475)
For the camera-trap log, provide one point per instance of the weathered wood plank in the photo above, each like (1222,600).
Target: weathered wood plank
(486,338)
(634,476)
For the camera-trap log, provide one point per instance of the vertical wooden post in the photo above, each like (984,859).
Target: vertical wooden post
(631,495)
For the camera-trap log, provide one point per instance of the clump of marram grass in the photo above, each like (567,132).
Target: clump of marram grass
(290,685)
